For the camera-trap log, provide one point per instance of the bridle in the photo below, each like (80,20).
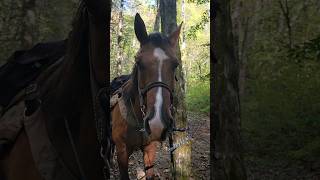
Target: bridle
(143,91)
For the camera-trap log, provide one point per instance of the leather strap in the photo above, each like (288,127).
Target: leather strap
(142,91)
(148,167)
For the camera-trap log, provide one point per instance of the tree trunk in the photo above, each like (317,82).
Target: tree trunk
(29,30)
(240,21)
(243,59)
(182,155)
(156,26)
(120,41)
(286,13)
(183,43)
(227,160)
(183,14)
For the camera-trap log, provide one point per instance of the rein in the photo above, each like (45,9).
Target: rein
(143,91)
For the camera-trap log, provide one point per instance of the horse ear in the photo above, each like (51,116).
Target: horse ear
(174,36)
(140,29)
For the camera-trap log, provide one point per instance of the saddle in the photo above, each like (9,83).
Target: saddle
(24,66)
(118,82)
(115,88)
(18,73)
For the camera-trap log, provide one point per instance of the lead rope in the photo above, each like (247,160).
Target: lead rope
(141,128)
(173,168)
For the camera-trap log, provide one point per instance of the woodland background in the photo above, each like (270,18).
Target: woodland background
(277,45)
(266,78)
(194,43)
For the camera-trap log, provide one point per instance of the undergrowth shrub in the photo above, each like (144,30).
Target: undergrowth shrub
(198,96)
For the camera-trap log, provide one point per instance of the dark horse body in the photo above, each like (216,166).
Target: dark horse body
(143,115)
(66,113)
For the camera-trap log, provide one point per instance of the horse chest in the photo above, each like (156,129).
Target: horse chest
(134,138)
(126,130)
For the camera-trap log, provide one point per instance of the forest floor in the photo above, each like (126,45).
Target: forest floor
(275,164)
(281,170)
(199,125)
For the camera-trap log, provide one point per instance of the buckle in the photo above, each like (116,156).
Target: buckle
(31,89)
(142,108)
(102,152)
(180,129)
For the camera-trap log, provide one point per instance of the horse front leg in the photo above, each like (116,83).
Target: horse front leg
(122,158)
(149,154)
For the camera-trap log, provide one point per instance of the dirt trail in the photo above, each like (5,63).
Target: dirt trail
(200,131)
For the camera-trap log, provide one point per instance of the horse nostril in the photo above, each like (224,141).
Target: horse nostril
(146,125)
(164,135)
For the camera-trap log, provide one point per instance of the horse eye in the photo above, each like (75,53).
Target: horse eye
(175,65)
(140,65)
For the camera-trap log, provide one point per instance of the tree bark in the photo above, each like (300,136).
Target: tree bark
(156,26)
(120,41)
(227,160)
(240,21)
(286,13)
(29,30)
(243,59)
(182,155)
(183,44)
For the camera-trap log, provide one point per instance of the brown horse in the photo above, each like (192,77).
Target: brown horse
(58,139)
(143,115)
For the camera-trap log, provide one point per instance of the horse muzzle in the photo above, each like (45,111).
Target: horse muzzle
(157,128)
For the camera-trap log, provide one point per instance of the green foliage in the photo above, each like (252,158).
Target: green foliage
(194,52)
(198,97)
(280,108)
(309,152)
(130,44)
(192,32)
(307,50)
(199,1)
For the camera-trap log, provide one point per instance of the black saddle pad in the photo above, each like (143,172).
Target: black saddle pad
(117,82)
(24,66)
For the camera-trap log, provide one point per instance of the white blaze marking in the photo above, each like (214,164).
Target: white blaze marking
(155,122)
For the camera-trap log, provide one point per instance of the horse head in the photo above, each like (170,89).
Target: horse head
(156,62)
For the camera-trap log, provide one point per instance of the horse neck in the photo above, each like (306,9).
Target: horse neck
(131,94)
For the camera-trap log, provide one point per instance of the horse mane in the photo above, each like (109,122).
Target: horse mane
(158,39)
(132,86)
